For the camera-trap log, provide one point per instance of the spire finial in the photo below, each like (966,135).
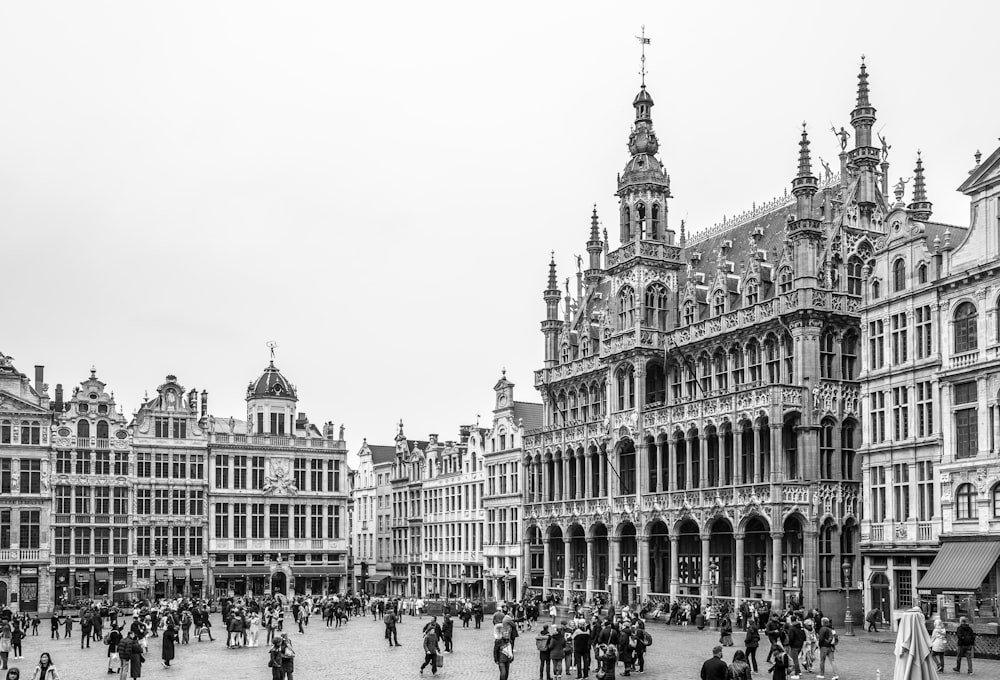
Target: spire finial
(643,41)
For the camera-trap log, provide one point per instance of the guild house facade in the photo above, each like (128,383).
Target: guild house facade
(702,407)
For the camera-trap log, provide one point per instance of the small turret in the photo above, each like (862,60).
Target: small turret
(920,208)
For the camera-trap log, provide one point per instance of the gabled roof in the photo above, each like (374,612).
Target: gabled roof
(986,173)
(530,414)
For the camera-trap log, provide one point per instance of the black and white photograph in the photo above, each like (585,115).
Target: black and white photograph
(499,341)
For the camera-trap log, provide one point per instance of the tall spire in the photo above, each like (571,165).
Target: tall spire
(920,208)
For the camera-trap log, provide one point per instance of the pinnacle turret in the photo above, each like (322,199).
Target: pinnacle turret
(920,208)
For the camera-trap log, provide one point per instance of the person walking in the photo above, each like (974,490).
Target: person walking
(827,640)
(965,637)
(430,646)
(45,670)
(939,643)
(503,650)
(714,668)
(168,645)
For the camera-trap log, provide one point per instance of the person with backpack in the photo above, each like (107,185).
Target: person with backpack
(751,642)
(965,637)
(544,643)
(827,640)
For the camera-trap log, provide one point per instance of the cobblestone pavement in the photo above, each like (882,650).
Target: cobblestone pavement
(359,651)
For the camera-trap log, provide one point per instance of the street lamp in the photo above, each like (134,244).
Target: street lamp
(845,570)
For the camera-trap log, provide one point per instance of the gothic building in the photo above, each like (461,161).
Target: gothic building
(701,395)
(25,492)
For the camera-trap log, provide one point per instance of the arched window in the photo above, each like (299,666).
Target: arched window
(854,276)
(751,292)
(785,280)
(656,306)
(719,303)
(626,308)
(654,231)
(922,273)
(83,429)
(965,502)
(876,290)
(625,384)
(899,275)
(965,333)
(827,354)
(689,315)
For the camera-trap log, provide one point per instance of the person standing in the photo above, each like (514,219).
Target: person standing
(169,640)
(714,668)
(430,646)
(45,670)
(966,640)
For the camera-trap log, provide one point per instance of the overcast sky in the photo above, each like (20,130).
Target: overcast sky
(377,186)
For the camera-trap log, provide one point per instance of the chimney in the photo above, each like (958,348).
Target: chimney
(58,406)
(204,403)
(39,378)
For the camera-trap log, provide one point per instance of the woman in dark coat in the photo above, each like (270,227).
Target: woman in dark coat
(170,637)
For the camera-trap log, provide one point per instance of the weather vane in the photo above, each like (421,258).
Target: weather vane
(643,41)
(272,345)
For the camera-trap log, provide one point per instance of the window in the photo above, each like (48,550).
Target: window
(966,339)
(925,410)
(899,275)
(878,493)
(31,476)
(689,315)
(922,344)
(719,303)
(785,280)
(925,490)
(751,292)
(626,307)
(899,338)
(966,420)
(878,417)
(901,491)
(221,472)
(966,502)
(876,345)
(922,273)
(900,413)
(854,276)
(656,309)
(827,354)
(222,520)
(257,473)
(31,530)
(279,520)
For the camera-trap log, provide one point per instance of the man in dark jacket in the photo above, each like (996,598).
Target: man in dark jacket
(715,668)
(965,637)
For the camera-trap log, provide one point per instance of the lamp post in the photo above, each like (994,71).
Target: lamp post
(845,570)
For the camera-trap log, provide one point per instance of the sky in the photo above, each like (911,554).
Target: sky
(377,187)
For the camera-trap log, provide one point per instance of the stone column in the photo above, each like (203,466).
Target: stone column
(590,567)
(706,579)
(567,562)
(777,578)
(642,566)
(674,567)
(739,586)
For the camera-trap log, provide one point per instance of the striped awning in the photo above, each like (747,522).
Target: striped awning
(961,565)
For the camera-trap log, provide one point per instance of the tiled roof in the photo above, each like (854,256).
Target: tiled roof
(529,412)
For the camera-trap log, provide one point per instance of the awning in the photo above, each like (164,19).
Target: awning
(377,578)
(961,565)
(99,574)
(180,574)
(161,574)
(197,574)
